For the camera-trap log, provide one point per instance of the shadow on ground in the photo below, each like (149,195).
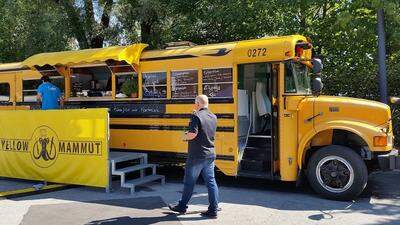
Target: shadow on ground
(238,191)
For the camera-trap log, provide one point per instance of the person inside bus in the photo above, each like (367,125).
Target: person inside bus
(49,95)
(201,157)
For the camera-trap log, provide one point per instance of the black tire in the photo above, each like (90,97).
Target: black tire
(333,171)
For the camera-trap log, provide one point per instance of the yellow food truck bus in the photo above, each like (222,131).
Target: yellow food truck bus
(272,121)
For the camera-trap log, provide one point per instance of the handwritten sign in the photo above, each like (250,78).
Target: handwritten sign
(158,78)
(154,85)
(184,77)
(184,84)
(217,90)
(184,91)
(217,83)
(154,91)
(136,109)
(217,75)
(122,109)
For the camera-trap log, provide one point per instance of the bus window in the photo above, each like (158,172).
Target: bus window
(290,84)
(154,85)
(126,85)
(91,82)
(4,92)
(29,90)
(184,84)
(217,83)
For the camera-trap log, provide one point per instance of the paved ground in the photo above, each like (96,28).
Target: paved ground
(243,201)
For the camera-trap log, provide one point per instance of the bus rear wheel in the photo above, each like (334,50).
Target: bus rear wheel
(337,172)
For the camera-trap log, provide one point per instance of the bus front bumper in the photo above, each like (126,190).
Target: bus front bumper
(390,161)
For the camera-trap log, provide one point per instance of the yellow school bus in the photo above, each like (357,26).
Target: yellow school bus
(271,122)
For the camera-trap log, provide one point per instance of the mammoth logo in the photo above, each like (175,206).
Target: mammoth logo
(44,150)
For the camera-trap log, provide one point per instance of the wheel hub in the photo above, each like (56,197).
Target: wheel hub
(335,174)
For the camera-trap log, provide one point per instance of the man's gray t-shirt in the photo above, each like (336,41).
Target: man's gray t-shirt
(204,123)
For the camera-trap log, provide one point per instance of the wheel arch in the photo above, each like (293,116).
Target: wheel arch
(361,132)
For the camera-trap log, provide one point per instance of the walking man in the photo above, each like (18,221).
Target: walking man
(49,95)
(201,157)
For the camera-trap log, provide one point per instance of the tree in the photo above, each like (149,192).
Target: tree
(146,21)
(30,27)
(88,31)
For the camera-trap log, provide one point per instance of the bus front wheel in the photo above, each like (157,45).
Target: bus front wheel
(337,172)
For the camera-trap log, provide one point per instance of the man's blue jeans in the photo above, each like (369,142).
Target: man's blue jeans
(192,171)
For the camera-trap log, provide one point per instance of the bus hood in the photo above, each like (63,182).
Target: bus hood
(328,108)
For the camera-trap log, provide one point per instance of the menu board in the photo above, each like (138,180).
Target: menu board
(158,78)
(217,75)
(184,84)
(154,85)
(154,91)
(217,83)
(184,77)
(217,90)
(184,91)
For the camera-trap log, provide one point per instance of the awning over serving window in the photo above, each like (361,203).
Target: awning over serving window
(130,54)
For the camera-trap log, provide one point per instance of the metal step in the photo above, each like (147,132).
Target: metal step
(259,141)
(257,153)
(133,183)
(129,169)
(255,165)
(127,159)
(117,157)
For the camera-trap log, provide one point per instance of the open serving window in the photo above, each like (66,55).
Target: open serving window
(91,81)
(126,79)
(30,85)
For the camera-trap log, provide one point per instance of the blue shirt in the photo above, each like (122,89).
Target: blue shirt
(50,96)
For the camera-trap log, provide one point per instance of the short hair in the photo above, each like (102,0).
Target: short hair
(45,78)
(202,100)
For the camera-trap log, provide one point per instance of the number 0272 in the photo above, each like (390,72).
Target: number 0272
(255,52)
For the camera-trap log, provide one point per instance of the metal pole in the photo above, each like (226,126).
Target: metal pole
(382,57)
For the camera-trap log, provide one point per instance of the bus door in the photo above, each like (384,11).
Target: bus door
(256,119)
(7,90)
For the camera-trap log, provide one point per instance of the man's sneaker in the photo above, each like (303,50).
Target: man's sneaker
(209,214)
(177,208)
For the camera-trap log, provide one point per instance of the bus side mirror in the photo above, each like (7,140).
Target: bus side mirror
(316,85)
(317,66)
(395,100)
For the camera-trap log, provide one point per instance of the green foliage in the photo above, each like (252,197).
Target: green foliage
(30,27)
(130,87)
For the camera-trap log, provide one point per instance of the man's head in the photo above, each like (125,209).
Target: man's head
(45,78)
(201,101)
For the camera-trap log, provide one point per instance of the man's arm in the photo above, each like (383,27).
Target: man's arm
(61,100)
(193,129)
(39,94)
(39,97)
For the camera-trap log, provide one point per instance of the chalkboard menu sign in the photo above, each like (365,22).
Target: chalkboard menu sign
(154,85)
(184,91)
(184,77)
(217,90)
(159,78)
(217,75)
(184,84)
(217,83)
(154,91)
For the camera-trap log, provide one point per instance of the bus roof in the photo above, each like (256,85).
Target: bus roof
(4,67)
(277,48)
(281,45)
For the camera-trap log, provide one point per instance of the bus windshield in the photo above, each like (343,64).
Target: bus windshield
(297,78)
